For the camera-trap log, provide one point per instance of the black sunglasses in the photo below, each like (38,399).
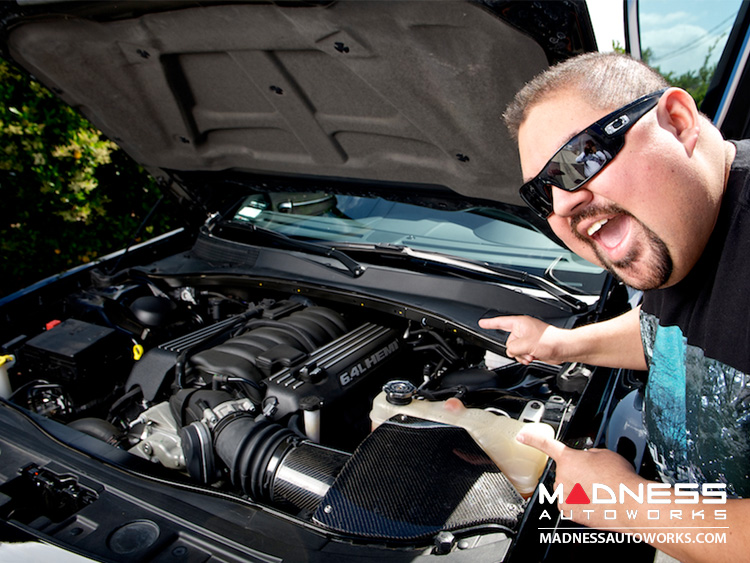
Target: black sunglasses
(585,155)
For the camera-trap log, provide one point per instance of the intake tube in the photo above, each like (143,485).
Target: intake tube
(270,463)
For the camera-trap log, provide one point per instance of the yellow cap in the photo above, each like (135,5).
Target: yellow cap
(137,352)
(4,359)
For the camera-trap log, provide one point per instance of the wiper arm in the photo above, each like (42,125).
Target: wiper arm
(485,269)
(280,239)
(539,282)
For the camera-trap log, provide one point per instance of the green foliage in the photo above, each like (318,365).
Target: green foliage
(69,194)
(695,82)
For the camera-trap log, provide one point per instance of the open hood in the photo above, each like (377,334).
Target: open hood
(397,93)
(271,382)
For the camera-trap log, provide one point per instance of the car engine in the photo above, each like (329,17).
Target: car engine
(267,394)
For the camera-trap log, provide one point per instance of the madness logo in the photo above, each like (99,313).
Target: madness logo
(650,494)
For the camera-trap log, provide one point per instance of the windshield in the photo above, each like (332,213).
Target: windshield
(477,234)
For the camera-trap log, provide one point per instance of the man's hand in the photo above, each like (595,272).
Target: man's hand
(529,339)
(585,467)
(613,343)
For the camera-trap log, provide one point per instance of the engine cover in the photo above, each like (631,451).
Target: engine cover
(333,369)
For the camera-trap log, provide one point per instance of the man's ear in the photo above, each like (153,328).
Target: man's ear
(678,114)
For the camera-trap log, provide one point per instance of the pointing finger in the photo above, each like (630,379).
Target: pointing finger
(529,436)
(499,323)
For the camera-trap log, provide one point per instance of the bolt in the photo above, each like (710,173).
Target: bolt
(443,543)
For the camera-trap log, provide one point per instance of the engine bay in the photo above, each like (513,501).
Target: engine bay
(267,394)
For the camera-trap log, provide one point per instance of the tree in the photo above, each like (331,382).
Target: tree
(695,82)
(70,195)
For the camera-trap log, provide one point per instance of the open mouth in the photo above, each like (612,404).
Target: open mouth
(593,229)
(608,233)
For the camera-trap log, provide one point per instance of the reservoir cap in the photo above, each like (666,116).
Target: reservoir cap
(399,392)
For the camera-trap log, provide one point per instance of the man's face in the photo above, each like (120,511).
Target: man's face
(644,217)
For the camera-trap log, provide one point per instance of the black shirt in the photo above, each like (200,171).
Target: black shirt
(696,336)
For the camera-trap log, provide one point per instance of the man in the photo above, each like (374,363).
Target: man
(665,214)
(591,158)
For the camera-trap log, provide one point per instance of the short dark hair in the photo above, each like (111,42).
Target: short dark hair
(605,80)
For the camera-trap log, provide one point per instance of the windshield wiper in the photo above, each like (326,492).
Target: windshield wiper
(483,269)
(289,243)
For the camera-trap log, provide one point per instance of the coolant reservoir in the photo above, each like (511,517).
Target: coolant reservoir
(496,435)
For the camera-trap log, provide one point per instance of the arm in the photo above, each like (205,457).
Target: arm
(613,343)
(608,468)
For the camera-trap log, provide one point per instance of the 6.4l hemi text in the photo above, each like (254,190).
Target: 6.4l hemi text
(362,367)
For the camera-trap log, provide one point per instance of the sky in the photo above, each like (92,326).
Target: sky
(679,32)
